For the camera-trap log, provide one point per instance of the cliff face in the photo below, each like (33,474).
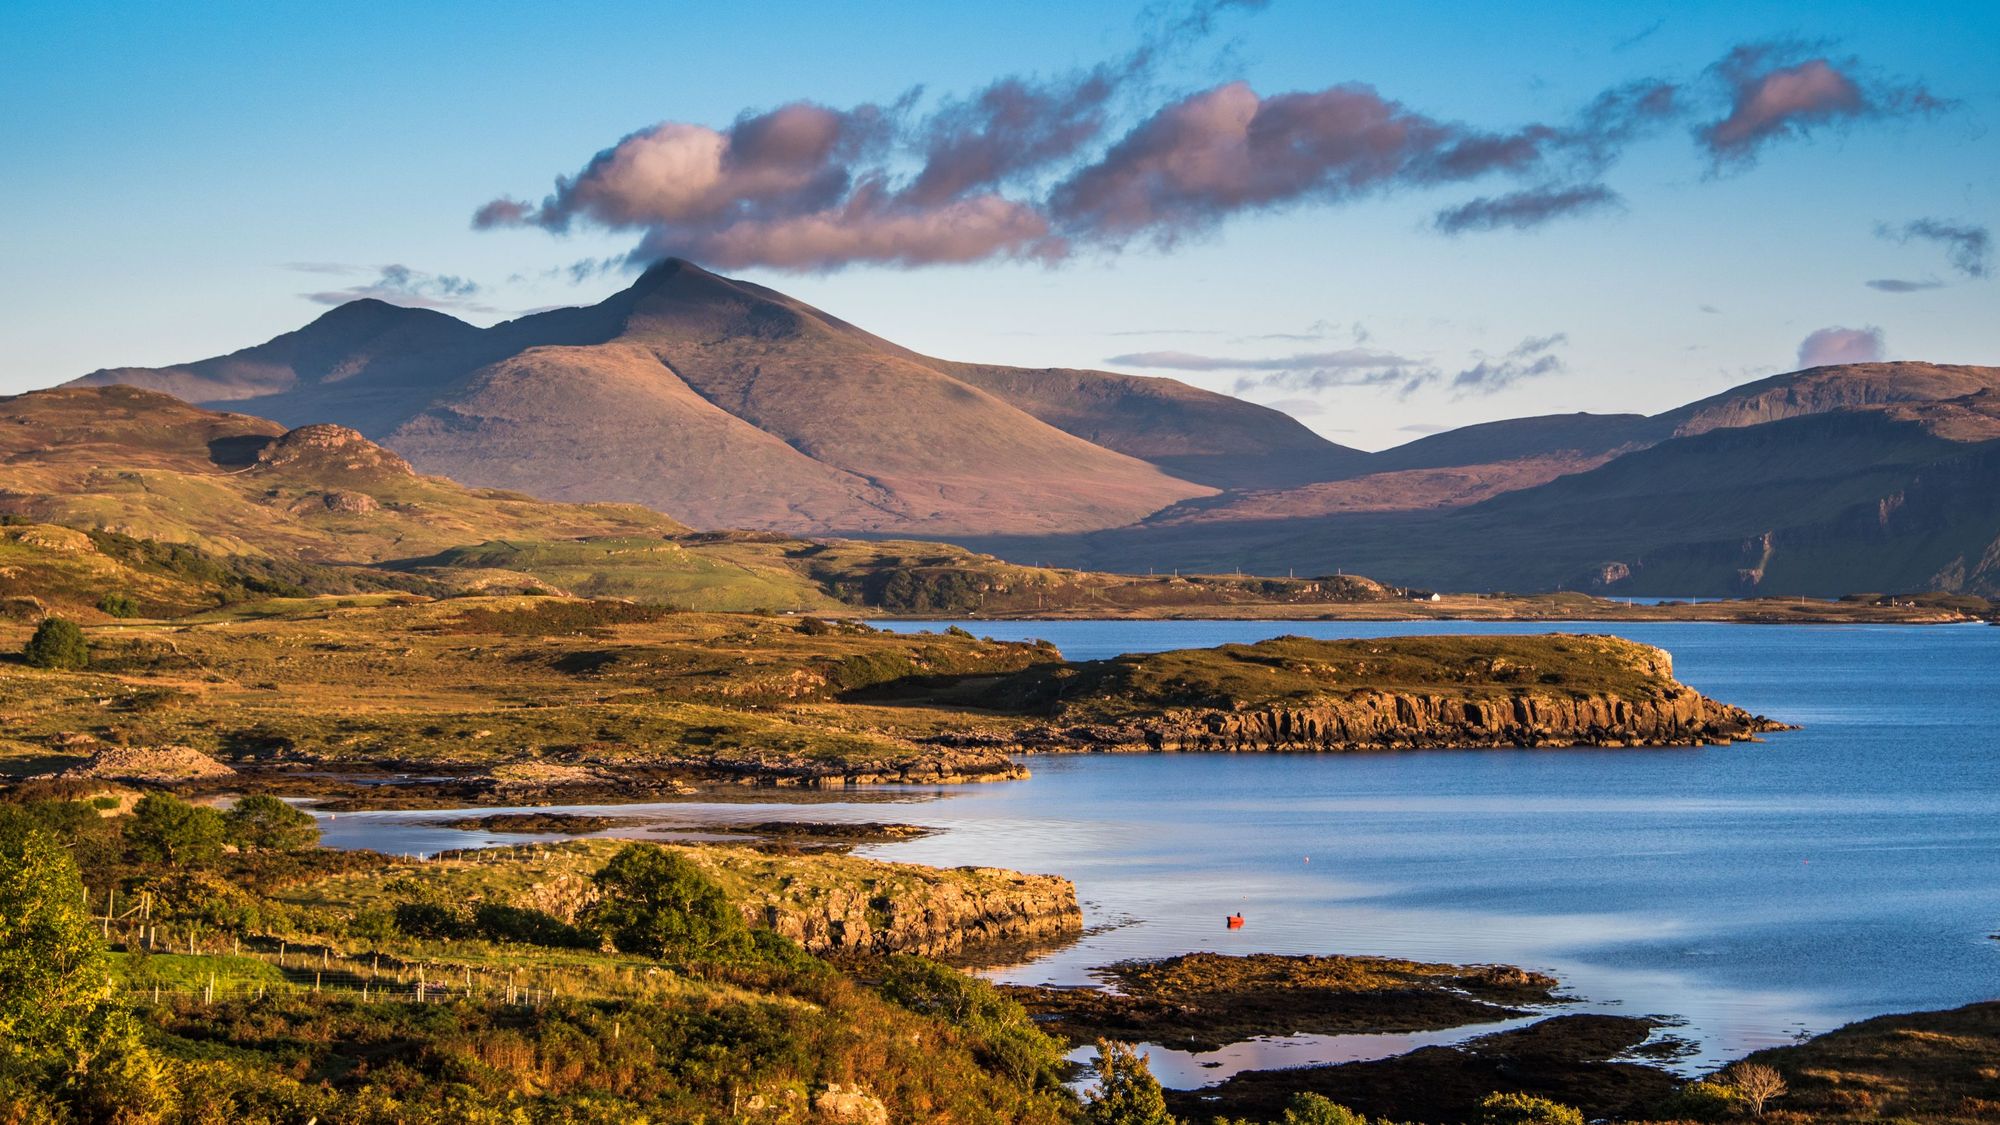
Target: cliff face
(843,904)
(1296,693)
(1390,721)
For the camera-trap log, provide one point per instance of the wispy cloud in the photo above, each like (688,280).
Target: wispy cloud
(1522,210)
(395,284)
(1968,246)
(1362,367)
(1531,358)
(1900,285)
(1841,345)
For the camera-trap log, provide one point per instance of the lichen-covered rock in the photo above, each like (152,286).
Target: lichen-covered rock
(155,764)
(326,447)
(840,1102)
(847,904)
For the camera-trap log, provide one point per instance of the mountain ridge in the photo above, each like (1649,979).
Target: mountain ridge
(730,404)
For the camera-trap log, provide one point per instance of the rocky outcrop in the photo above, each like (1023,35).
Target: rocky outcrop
(323,447)
(1387,721)
(871,907)
(1294,693)
(939,765)
(154,764)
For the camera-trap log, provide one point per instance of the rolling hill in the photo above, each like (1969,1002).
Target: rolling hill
(1884,493)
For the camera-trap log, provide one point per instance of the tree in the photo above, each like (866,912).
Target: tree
(658,903)
(1312,1109)
(55,996)
(166,829)
(117,603)
(1755,1083)
(263,823)
(57,644)
(1526,1109)
(1126,1093)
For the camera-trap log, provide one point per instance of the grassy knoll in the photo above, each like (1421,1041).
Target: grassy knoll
(1296,671)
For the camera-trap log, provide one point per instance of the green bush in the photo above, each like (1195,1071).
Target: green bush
(166,829)
(498,922)
(57,644)
(117,603)
(657,903)
(1312,1109)
(57,1015)
(1701,1101)
(1526,1109)
(1004,1037)
(1126,1093)
(265,824)
(430,920)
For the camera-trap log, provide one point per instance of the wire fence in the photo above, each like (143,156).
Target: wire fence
(239,966)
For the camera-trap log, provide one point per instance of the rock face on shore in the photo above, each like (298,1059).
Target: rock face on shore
(1297,694)
(1394,721)
(844,904)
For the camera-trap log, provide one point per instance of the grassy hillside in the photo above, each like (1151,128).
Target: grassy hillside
(147,465)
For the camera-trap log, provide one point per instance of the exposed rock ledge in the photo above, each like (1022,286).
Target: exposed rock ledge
(846,904)
(1390,721)
(1295,693)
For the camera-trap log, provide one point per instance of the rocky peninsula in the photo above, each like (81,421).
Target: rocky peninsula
(1402,693)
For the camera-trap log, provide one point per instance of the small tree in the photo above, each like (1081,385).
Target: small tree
(166,829)
(1755,1083)
(1126,1093)
(1526,1109)
(658,903)
(57,644)
(118,603)
(1312,1109)
(55,997)
(263,823)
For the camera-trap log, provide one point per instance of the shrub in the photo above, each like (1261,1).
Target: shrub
(166,829)
(1700,1101)
(657,903)
(57,644)
(266,824)
(1526,1109)
(1755,1083)
(429,920)
(1005,1037)
(498,922)
(1126,1093)
(56,1009)
(117,603)
(1312,1109)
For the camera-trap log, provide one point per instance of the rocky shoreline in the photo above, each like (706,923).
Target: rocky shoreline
(1394,721)
(865,907)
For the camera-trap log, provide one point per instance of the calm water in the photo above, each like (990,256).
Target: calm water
(1847,869)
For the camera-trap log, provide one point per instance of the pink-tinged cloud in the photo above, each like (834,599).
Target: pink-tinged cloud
(1037,169)
(869,228)
(1771,100)
(1841,345)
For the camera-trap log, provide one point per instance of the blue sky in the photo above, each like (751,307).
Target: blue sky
(183,180)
